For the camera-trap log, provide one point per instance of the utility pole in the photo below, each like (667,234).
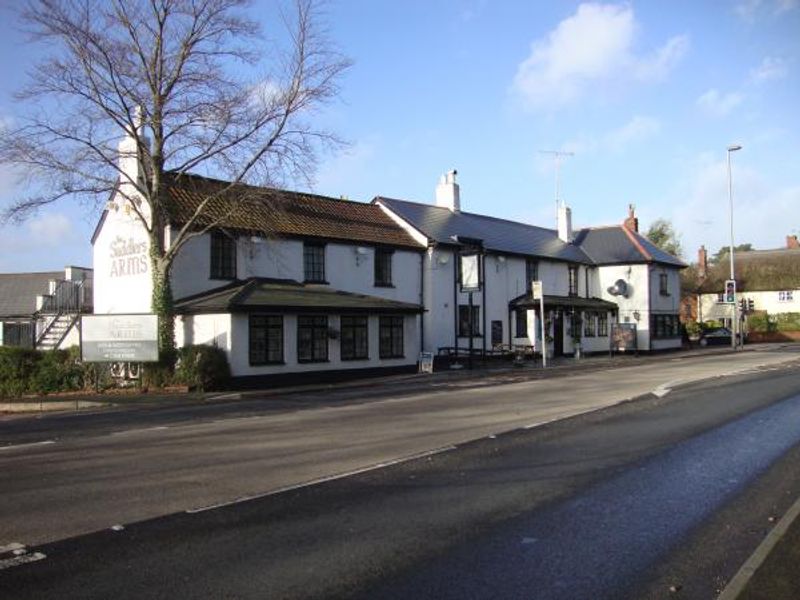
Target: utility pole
(557,155)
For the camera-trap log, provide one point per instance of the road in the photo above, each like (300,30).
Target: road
(634,475)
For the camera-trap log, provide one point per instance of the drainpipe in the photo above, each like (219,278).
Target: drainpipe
(422,302)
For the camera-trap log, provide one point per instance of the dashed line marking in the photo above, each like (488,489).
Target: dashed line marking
(327,478)
(28,445)
(145,429)
(8,563)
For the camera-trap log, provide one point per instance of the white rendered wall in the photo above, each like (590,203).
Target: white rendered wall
(345,269)
(637,277)
(121,262)
(770,302)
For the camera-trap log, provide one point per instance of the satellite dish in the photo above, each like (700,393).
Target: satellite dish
(620,288)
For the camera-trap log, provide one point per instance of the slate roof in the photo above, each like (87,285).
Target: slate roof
(756,271)
(18,292)
(285,213)
(499,235)
(284,295)
(619,245)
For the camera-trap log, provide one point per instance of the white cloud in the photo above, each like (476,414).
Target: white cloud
(718,104)
(637,130)
(701,207)
(771,68)
(748,10)
(593,46)
(50,229)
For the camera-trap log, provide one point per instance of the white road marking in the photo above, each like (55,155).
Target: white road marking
(28,445)
(224,397)
(21,560)
(117,528)
(335,477)
(12,547)
(128,431)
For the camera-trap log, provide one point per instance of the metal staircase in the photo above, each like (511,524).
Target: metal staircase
(60,311)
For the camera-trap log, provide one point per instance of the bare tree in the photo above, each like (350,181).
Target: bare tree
(183,79)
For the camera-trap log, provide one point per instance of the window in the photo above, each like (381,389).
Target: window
(665,326)
(589,325)
(663,284)
(785,296)
(573,280)
(531,272)
(312,339)
(383,267)
(522,322)
(355,334)
(223,256)
(314,262)
(602,324)
(390,336)
(266,339)
(464,320)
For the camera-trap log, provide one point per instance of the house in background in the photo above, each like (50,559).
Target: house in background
(591,277)
(41,310)
(766,280)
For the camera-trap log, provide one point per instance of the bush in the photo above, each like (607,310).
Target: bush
(25,371)
(693,328)
(202,368)
(787,321)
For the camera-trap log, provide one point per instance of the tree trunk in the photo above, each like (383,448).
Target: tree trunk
(163,307)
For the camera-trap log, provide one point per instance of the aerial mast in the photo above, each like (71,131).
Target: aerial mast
(558,156)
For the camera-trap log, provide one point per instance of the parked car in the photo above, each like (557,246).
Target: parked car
(718,336)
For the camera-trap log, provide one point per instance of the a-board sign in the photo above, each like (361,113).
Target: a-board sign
(623,337)
(119,338)
(426,362)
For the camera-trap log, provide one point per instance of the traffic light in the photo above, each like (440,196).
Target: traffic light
(751,305)
(742,305)
(730,291)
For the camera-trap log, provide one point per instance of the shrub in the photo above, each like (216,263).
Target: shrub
(693,328)
(760,322)
(202,367)
(25,371)
(787,321)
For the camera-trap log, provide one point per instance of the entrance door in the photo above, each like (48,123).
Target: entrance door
(558,333)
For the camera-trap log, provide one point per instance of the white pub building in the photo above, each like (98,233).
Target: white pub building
(290,283)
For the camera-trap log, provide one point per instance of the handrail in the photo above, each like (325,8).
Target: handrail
(69,297)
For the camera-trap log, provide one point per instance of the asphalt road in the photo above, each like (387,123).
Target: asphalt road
(605,504)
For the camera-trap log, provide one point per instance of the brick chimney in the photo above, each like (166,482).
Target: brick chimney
(702,261)
(631,223)
(792,243)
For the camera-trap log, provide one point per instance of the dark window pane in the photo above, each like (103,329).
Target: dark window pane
(223,256)
(463,320)
(354,338)
(383,266)
(314,262)
(390,335)
(522,322)
(266,339)
(312,339)
(531,272)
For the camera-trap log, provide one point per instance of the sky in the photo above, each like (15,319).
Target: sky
(646,96)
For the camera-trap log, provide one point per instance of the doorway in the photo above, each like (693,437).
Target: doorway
(558,333)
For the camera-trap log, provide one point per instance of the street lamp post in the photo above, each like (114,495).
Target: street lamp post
(735,321)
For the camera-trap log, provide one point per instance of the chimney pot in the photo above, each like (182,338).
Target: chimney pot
(631,223)
(448,192)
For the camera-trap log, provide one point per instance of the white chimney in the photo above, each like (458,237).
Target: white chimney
(564,223)
(447,192)
(130,161)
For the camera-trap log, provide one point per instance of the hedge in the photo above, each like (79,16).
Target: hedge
(200,368)
(25,371)
(763,322)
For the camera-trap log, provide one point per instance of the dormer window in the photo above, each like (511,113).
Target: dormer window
(223,256)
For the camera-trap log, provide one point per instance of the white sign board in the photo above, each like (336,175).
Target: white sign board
(119,338)
(470,272)
(536,290)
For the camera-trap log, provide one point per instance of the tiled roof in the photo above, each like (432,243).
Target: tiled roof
(18,291)
(619,245)
(284,295)
(756,271)
(499,235)
(283,213)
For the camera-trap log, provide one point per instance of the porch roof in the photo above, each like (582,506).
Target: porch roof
(285,295)
(527,301)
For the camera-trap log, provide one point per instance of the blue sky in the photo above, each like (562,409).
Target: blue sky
(647,95)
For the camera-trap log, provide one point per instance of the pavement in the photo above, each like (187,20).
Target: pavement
(770,573)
